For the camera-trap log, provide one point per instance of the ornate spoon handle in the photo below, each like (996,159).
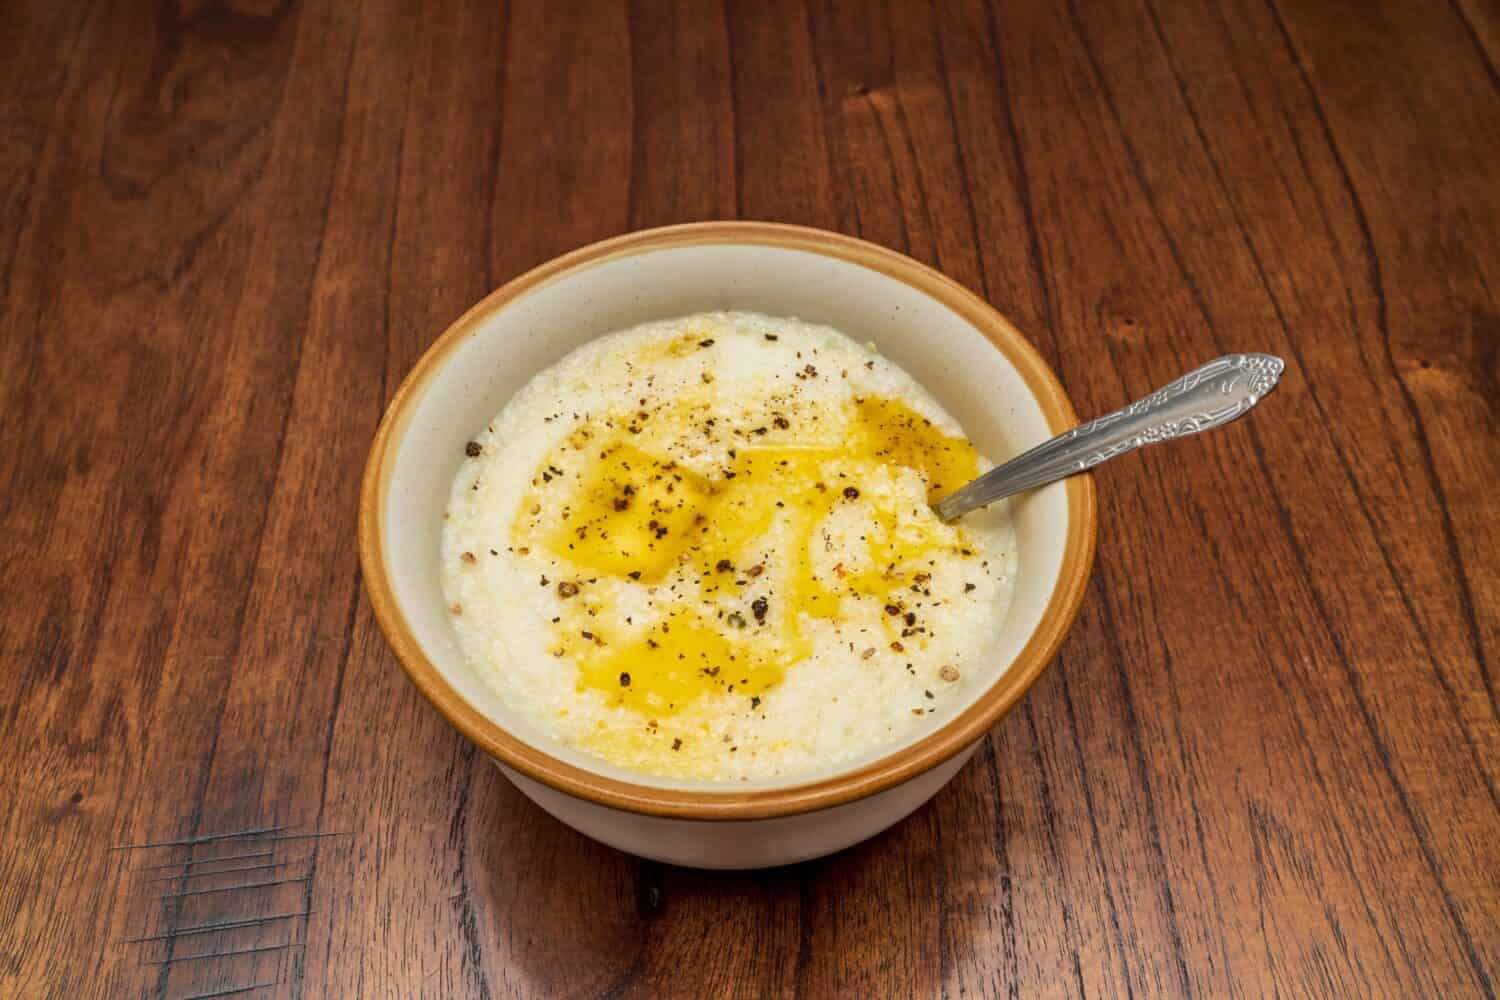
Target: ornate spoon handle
(1207,397)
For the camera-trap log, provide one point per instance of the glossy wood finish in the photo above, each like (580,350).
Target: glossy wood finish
(1268,757)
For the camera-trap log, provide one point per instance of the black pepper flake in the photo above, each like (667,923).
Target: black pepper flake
(850,493)
(677,744)
(724,566)
(760,606)
(910,618)
(587,635)
(625,681)
(772,336)
(927,693)
(755,702)
(705,343)
(892,610)
(968,587)
(472,449)
(565,588)
(782,423)
(634,574)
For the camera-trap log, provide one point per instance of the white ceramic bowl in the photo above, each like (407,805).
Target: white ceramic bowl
(976,364)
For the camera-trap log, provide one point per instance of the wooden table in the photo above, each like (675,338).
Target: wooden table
(1267,758)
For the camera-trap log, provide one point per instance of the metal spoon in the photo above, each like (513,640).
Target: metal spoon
(1207,397)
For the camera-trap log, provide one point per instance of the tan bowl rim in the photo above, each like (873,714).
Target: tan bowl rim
(876,776)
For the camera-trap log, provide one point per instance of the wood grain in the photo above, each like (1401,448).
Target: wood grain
(1267,759)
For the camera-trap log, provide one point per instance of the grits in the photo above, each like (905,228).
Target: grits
(703,548)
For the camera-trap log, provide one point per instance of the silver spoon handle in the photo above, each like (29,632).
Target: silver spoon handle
(1207,397)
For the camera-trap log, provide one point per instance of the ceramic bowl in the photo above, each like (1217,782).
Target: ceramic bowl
(967,355)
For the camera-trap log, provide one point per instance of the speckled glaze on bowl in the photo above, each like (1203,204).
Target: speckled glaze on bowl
(967,355)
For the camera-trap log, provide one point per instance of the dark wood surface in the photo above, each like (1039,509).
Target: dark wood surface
(1267,760)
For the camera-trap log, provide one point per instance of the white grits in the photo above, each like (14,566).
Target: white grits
(858,680)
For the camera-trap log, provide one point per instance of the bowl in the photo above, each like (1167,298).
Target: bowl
(965,353)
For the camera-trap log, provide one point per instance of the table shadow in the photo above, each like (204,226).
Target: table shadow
(558,914)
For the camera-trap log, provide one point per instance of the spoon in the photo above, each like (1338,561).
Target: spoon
(1222,390)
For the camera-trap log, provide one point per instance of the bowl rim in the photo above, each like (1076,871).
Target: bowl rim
(876,776)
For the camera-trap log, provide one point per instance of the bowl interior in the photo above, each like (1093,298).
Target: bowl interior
(502,343)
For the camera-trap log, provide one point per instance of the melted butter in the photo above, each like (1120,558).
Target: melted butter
(890,430)
(678,660)
(757,531)
(683,345)
(631,514)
